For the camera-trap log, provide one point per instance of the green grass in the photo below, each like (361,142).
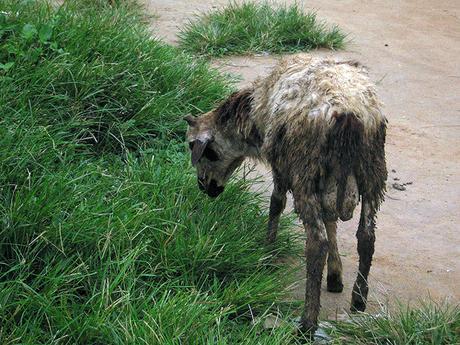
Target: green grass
(104,236)
(431,323)
(250,27)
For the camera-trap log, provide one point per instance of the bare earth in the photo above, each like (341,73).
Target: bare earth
(412,48)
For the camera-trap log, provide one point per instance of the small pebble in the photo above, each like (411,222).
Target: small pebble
(398,186)
(262,54)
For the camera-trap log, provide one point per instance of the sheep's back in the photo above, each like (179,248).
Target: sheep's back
(301,104)
(313,89)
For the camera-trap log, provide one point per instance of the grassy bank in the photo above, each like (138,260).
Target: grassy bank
(104,237)
(250,27)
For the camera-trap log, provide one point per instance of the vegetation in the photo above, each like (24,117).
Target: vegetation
(250,27)
(431,323)
(104,237)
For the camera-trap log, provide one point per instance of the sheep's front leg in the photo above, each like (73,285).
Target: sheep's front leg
(334,264)
(315,251)
(366,240)
(277,205)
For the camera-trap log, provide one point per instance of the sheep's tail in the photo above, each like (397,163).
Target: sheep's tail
(358,151)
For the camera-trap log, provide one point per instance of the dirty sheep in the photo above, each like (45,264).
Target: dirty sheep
(317,123)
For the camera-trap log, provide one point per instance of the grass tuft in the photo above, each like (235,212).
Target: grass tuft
(431,324)
(250,27)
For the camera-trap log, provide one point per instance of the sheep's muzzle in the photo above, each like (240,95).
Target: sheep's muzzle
(211,189)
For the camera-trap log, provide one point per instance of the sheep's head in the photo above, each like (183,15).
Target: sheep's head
(213,155)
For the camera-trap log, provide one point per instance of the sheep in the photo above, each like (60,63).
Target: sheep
(317,123)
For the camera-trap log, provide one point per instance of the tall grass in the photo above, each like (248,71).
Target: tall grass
(251,27)
(104,237)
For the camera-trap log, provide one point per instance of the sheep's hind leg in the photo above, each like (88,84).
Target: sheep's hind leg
(277,205)
(334,264)
(366,240)
(315,252)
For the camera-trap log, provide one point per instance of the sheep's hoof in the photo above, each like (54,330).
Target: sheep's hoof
(334,283)
(270,241)
(357,305)
(307,329)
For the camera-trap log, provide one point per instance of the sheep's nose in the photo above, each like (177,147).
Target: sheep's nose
(214,190)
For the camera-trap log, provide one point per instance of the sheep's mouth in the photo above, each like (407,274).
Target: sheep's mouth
(212,189)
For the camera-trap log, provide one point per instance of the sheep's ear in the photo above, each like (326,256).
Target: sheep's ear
(199,145)
(197,150)
(191,120)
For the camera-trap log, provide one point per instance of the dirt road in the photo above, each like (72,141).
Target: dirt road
(413,50)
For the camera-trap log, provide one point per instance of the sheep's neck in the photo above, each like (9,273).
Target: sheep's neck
(251,135)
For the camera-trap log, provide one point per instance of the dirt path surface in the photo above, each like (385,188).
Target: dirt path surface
(413,51)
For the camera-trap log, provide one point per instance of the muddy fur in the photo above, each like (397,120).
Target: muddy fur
(334,263)
(318,124)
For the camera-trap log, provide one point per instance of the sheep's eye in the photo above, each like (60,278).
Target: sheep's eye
(210,154)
